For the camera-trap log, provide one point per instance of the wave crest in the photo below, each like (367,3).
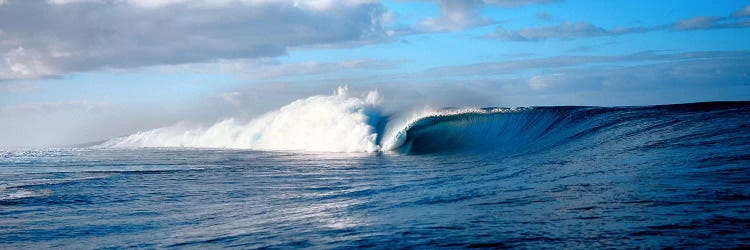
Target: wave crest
(335,123)
(344,123)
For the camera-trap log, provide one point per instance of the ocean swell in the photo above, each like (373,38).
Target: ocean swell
(344,123)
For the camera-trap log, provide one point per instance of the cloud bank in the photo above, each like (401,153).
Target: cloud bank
(465,14)
(573,30)
(66,36)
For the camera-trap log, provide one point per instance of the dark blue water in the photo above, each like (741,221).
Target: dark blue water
(564,177)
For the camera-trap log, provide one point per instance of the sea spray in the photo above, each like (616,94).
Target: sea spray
(326,123)
(339,122)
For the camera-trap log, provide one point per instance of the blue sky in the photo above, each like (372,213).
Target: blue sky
(85,70)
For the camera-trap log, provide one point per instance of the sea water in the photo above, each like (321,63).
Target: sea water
(544,177)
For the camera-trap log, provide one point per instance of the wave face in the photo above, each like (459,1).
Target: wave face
(343,123)
(594,130)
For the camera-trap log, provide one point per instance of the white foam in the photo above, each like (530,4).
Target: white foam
(13,194)
(335,123)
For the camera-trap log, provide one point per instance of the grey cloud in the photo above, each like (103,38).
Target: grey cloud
(265,68)
(569,30)
(41,39)
(546,16)
(515,55)
(18,87)
(50,124)
(519,66)
(455,15)
(464,14)
(655,83)
(273,70)
(649,77)
(47,108)
(66,123)
(738,19)
(513,3)
(232,98)
(674,75)
(593,47)
(709,22)
(744,12)
(566,30)
(659,79)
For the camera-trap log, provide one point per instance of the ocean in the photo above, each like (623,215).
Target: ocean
(541,177)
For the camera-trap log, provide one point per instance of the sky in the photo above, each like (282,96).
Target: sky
(75,71)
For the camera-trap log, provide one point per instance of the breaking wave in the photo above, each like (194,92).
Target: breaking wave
(344,123)
(335,123)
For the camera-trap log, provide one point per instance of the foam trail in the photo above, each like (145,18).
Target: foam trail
(335,123)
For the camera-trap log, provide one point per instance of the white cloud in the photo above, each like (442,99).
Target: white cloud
(22,63)
(14,88)
(561,62)
(514,3)
(320,5)
(700,22)
(541,82)
(75,35)
(55,107)
(232,98)
(455,15)
(566,30)
(61,2)
(52,123)
(572,30)
(265,68)
(744,12)
(458,15)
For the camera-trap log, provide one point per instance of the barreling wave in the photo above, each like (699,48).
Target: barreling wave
(345,123)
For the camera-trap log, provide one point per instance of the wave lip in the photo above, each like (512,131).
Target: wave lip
(401,135)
